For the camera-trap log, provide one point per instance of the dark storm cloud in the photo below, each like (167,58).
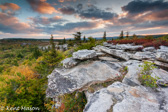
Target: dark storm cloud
(47,21)
(95,13)
(70,27)
(138,6)
(67,10)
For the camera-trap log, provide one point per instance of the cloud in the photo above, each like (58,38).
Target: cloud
(70,27)
(138,6)
(10,24)
(9,6)
(67,10)
(94,13)
(47,21)
(41,6)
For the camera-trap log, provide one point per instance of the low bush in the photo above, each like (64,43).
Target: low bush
(145,76)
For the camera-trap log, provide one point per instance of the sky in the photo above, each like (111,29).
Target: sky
(62,18)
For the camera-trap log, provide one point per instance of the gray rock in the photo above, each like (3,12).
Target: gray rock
(69,62)
(84,54)
(131,78)
(117,53)
(108,59)
(100,54)
(120,97)
(128,47)
(161,64)
(69,80)
(162,56)
(163,49)
(144,55)
(151,49)
(97,48)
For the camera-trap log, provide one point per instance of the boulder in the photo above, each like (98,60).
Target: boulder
(117,53)
(84,54)
(100,54)
(131,78)
(144,55)
(120,97)
(97,48)
(163,49)
(162,56)
(69,62)
(108,59)
(161,64)
(62,81)
(150,49)
(128,47)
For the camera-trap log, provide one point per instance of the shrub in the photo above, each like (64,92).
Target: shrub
(145,76)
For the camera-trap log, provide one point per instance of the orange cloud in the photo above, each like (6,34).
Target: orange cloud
(42,6)
(9,6)
(12,24)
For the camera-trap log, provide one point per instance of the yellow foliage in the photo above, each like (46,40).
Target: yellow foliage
(24,70)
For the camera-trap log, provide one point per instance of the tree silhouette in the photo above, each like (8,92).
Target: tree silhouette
(127,35)
(77,36)
(121,35)
(104,36)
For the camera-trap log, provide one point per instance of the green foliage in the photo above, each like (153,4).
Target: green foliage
(74,102)
(36,53)
(145,76)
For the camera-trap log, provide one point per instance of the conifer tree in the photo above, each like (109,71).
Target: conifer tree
(64,41)
(84,39)
(121,35)
(104,36)
(127,36)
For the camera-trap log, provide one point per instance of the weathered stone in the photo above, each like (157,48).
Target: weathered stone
(151,49)
(161,64)
(100,54)
(117,53)
(108,59)
(131,78)
(144,55)
(120,97)
(69,62)
(97,48)
(163,49)
(68,80)
(128,47)
(84,54)
(162,56)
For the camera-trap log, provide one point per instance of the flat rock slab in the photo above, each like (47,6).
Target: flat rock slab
(144,55)
(69,80)
(84,54)
(69,62)
(120,97)
(117,53)
(108,59)
(162,56)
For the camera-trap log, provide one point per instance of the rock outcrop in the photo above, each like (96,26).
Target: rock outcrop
(84,54)
(120,97)
(113,63)
(69,62)
(67,81)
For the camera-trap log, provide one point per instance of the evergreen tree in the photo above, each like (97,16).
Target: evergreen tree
(121,35)
(84,39)
(64,41)
(127,36)
(51,58)
(134,36)
(77,36)
(104,36)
